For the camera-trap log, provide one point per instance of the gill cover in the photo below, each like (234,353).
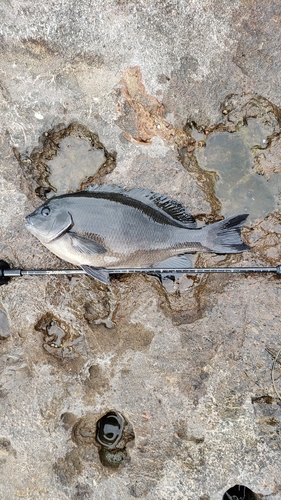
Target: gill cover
(49,221)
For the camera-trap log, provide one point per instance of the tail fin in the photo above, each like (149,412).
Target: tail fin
(225,236)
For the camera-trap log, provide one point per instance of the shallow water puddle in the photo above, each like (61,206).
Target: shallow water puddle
(76,160)
(231,155)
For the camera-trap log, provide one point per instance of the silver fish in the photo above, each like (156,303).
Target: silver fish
(109,227)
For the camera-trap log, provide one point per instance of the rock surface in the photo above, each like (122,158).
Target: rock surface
(141,86)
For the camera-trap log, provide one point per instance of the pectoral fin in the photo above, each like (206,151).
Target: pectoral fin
(86,245)
(100,274)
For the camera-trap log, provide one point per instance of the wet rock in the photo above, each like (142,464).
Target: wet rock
(206,181)
(93,314)
(125,334)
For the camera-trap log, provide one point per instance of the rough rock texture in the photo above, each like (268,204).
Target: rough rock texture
(188,365)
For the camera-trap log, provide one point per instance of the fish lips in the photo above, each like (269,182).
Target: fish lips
(30,226)
(28,221)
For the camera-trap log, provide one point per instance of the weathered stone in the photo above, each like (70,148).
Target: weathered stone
(147,84)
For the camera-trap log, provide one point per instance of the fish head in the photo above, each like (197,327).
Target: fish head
(49,221)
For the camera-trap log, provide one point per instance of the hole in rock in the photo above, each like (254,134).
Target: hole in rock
(240,492)
(113,433)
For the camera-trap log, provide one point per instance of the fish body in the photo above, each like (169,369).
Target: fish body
(109,227)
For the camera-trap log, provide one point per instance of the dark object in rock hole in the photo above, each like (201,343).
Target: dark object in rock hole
(110,429)
(240,492)
(113,433)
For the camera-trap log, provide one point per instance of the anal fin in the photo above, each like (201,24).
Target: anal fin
(99,273)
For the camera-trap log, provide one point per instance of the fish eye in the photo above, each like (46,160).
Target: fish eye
(45,211)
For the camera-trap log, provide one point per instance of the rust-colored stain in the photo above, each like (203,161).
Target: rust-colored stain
(141,115)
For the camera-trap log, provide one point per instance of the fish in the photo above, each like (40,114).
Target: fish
(106,227)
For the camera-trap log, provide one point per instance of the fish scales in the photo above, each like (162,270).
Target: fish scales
(125,228)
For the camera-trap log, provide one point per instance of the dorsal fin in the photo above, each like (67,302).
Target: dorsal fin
(172,208)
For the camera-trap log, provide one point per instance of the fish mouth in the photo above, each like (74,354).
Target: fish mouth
(28,221)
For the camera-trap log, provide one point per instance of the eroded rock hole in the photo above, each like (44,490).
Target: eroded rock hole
(110,429)
(68,158)
(111,434)
(240,492)
(58,339)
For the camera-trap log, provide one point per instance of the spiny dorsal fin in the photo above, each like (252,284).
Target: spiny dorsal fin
(171,207)
(174,209)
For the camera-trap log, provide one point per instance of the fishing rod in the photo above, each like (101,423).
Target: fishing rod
(6,272)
